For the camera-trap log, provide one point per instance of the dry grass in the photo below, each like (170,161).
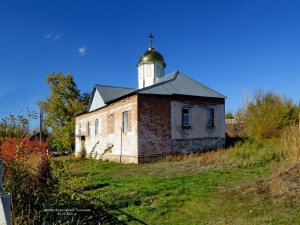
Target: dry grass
(290,144)
(282,155)
(285,181)
(212,158)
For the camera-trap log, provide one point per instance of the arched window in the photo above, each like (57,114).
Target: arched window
(148,71)
(158,71)
(141,72)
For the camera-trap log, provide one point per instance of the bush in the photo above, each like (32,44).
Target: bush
(27,176)
(268,114)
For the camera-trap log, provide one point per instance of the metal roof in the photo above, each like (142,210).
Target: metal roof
(177,83)
(109,93)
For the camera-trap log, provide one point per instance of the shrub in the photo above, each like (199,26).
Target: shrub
(27,173)
(268,114)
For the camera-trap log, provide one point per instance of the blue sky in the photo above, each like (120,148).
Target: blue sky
(230,46)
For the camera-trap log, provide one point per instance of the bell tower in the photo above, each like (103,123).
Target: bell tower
(151,66)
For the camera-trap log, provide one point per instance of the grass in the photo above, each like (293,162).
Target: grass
(182,193)
(227,186)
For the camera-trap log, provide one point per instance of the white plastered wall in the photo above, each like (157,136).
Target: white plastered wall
(198,120)
(149,73)
(97,101)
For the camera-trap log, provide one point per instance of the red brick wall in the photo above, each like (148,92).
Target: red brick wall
(154,121)
(154,125)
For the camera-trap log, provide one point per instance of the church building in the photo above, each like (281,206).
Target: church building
(166,115)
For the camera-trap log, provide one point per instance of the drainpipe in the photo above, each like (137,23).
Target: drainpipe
(4,202)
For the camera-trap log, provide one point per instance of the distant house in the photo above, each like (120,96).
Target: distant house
(166,115)
(234,127)
(38,135)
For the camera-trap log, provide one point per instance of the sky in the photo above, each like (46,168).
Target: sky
(228,45)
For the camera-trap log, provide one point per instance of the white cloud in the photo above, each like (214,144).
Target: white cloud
(57,37)
(82,50)
(48,36)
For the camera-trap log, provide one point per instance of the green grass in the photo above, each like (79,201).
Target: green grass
(184,192)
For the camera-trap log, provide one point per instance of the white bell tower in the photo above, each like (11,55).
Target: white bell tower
(151,67)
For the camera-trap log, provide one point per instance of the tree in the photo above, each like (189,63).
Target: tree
(15,126)
(229,116)
(60,109)
(267,114)
(85,98)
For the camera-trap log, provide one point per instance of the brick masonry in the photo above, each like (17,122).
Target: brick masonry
(154,128)
(160,130)
(111,133)
(154,125)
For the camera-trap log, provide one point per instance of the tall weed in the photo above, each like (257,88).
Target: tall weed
(290,144)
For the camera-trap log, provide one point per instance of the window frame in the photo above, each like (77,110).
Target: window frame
(96,127)
(125,122)
(79,129)
(184,124)
(89,126)
(210,119)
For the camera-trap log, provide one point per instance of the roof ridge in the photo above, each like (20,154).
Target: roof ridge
(158,84)
(113,86)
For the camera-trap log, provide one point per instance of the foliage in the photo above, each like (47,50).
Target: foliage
(26,177)
(14,127)
(60,109)
(229,116)
(19,150)
(42,191)
(85,98)
(268,114)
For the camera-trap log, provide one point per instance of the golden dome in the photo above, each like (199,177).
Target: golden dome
(151,56)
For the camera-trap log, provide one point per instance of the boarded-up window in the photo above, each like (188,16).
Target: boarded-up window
(110,124)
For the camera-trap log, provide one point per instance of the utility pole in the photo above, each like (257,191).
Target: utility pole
(41,123)
(40,105)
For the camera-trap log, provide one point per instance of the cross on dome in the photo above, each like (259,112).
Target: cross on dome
(151,36)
